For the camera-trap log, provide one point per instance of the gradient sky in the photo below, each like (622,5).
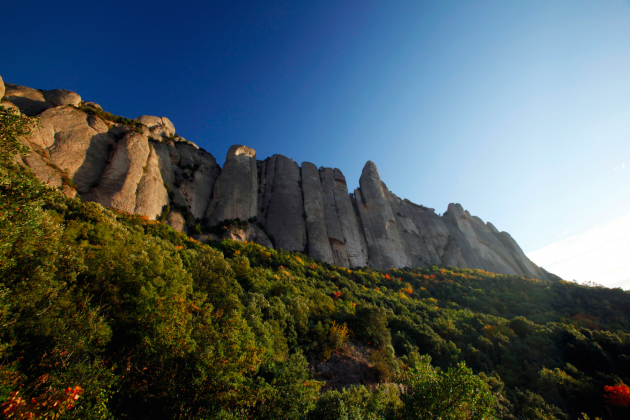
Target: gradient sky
(518,110)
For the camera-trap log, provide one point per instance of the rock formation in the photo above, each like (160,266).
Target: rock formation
(149,170)
(235,194)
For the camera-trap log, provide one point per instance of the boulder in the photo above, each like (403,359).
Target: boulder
(59,97)
(2,88)
(93,105)
(30,101)
(235,192)
(151,195)
(176,220)
(318,244)
(160,126)
(118,185)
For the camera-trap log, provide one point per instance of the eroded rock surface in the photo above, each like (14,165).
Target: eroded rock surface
(235,194)
(283,202)
(318,243)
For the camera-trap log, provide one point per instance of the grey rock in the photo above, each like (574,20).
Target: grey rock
(59,97)
(236,189)
(250,233)
(284,218)
(176,220)
(463,236)
(356,248)
(266,170)
(389,247)
(151,195)
(197,173)
(318,244)
(30,101)
(331,217)
(374,253)
(411,235)
(528,268)
(495,253)
(118,185)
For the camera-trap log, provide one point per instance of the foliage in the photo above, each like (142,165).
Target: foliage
(430,393)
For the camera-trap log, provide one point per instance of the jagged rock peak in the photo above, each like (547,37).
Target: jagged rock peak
(370,170)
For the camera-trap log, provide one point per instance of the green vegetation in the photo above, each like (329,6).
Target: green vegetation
(104,115)
(106,315)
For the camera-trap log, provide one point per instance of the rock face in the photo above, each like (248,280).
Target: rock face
(117,187)
(282,206)
(319,246)
(33,102)
(235,192)
(160,175)
(2,88)
(29,101)
(58,97)
(159,126)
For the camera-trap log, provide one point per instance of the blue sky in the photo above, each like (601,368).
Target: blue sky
(520,111)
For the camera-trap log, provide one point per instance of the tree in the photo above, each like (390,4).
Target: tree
(457,394)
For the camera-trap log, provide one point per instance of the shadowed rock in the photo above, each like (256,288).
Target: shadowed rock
(380,219)
(29,101)
(282,199)
(318,244)
(118,185)
(151,195)
(235,193)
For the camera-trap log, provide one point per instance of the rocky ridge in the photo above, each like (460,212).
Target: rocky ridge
(144,167)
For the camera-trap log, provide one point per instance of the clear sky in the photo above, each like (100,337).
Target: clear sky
(518,110)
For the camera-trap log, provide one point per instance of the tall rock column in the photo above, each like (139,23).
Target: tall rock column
(282,203)
(353,237)
(387,250)
(331,216)
(236,189)
(318,245)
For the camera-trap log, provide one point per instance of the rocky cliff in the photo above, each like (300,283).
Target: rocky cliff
(142,166)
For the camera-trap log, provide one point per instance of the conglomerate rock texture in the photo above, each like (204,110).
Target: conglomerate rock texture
(149,170)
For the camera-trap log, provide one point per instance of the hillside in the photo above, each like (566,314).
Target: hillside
(143,167)
(113,315)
